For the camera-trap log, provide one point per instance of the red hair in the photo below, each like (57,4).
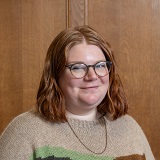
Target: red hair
(50,100)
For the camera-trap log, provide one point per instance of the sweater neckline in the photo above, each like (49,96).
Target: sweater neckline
(85,123)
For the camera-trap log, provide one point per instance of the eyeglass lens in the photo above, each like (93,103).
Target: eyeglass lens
(80,70)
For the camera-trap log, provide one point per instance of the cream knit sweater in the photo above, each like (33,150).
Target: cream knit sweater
(30,137)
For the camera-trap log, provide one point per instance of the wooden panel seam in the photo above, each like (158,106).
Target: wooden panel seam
(67,13)
(76,13)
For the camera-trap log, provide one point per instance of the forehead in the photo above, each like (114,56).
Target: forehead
(85,52)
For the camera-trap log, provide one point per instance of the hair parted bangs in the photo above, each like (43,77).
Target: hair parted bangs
(50,101)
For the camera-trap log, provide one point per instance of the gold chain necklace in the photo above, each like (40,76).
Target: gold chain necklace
(85,145)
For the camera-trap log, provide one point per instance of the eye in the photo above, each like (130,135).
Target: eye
(78,67)
(101,65)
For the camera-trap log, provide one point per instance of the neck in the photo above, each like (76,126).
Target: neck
(93,115)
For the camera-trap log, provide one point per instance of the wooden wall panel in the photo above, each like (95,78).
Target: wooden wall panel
(41,22)
(26,30)
(11,85)
(77,13)
(132,28)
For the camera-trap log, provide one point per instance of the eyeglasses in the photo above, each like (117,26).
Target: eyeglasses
(80,70)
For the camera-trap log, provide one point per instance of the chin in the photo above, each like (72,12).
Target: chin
(93,102)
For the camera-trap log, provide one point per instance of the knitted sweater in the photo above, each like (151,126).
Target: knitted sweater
(30,137)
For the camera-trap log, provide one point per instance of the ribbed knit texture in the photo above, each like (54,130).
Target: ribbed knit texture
(30,137)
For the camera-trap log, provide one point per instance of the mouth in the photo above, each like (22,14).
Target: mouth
(90,88)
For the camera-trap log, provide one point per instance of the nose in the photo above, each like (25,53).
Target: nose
(91,74)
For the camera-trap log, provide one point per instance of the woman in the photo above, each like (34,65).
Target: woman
(81,110)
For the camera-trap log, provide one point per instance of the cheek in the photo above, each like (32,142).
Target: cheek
(68,84)
(105,80)
(105,84)
(70,90)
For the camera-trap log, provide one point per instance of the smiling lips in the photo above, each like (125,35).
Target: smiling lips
(91,88)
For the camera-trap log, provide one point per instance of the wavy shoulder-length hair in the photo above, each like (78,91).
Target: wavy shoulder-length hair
(50,100)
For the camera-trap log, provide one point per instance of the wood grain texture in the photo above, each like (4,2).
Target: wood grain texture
(78,12)
(132,28)
(11,85)
(41,22)
(26,31)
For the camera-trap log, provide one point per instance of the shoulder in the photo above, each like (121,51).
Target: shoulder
(135,133)
(126,119)
(125,124)
(24,119)
(25,123)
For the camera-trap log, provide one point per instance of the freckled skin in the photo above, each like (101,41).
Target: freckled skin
(83,95)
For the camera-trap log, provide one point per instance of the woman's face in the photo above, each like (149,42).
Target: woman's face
(83,95)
